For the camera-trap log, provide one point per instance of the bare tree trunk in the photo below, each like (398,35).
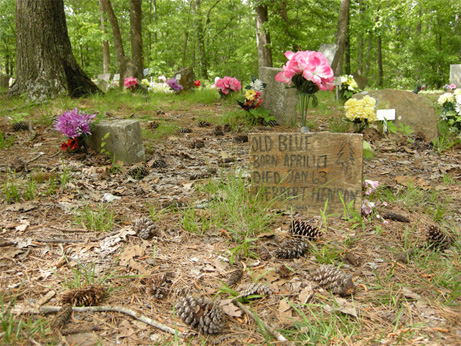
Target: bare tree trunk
(367,67)
(201,42)
(348,54)
(46,66)
(380,64)
(360,43)
(136,36)
(263,38)
(337,64)
(105,43)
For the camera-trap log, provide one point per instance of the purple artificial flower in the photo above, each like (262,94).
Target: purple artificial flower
(370,186)
(73,123)
(174,84)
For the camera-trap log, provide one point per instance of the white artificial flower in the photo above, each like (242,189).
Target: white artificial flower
(257,85)
(458,108)
(457,92)
(447,97)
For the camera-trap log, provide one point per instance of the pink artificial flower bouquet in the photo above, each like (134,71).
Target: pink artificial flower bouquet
(227,84)
(304,67)
(130,82)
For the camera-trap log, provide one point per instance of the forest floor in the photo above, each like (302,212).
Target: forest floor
(68,221)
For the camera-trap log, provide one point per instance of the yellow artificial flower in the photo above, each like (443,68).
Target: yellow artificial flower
(250,95)
(447,97)
(363,109)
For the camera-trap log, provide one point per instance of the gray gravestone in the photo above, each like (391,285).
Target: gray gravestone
(329,50)
(308,171)
(124,141)
(145,72)
(105,77)
(277,98)
(116,77)
(185,77)
(360,80)
(103,81)
(411,109)
(455,75)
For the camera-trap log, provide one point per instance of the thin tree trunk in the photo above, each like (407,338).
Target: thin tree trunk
(380,64)
(46,66)
(263,38)
(348,54)
(105,43)
(136,36)
(367,67)
(201,42)
(360,43)
(107,6)
(337,64)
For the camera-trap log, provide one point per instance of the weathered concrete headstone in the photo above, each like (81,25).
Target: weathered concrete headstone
(411,109)
(116,77)
(455,75)
(185,77)
(280,100)
(304,170)
(360,80)
(124,141)
(146,71)
(103,81)
(329,50)
(4,81)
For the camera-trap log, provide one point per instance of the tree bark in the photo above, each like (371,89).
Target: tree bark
(46,66)
(201,42)
(105,43)
(380,64)
(136,36)
(263,38)
(337,64)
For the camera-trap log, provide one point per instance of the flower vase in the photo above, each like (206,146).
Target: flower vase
(304,99)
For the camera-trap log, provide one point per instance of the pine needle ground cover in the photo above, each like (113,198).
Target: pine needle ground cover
(190,256)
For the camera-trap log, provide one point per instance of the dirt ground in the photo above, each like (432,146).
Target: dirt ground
(401,294)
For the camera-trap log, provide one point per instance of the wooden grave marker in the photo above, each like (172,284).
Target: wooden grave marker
(303,170)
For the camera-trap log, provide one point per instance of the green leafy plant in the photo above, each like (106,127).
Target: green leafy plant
(403,129)
(6,141)
(11,188)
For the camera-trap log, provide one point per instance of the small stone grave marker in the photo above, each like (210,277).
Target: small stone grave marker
(124,142)
(455,75)
(146,71)
(185,77)
(105,77)
(116,77)
(304,170)
(277,98)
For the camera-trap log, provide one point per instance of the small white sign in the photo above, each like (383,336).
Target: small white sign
(385,114)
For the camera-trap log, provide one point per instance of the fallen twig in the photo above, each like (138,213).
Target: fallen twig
(121,309)
(270,329)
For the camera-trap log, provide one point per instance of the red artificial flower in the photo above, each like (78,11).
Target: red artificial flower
(197,83)
(70,145)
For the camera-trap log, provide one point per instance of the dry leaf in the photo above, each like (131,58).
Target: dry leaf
(306,294)
(230,309)
(129,253)
(345,307)
(284,309)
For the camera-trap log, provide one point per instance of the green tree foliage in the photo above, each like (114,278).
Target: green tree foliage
(420,38)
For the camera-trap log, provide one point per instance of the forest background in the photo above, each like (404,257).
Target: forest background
(394,43)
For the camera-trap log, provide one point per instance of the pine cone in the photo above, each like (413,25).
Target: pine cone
(185,130)
(88,296)
(203,124)
(292,248)
(234,277)
(218,131)
(138,172)
(196,176)
(21,125)
(241,138)
(153,125)
(160,163)
(197,144)
(227,127)
(302,228)
(61,317)
(284,272)
(332,279)
(255,289)
(145,228)
(270,123)
(159,285)
(438,239)
(201,314)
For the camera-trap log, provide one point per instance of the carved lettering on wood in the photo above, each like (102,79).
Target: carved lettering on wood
(304,170)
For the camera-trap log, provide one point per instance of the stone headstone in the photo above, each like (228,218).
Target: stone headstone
(455,75)
(124,142)
(277,98)
(411,109)
(304,170)
(146,71)
(185,77)
(329,50)
(360,80)
(105,77)
(4,81)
